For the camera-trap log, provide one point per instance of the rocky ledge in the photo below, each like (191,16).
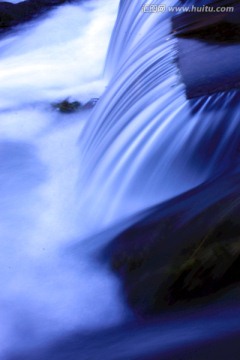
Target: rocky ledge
(182,251)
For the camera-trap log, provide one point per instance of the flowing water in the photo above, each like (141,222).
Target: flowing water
(66,177)
(145,139)
(44,291)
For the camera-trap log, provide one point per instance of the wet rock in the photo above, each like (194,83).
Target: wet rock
(209,23)
(14,14)
(181,251)
(209,48)
(205,270)
(67,106)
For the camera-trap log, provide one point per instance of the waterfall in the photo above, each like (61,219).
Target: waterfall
(146,142)
(65,178)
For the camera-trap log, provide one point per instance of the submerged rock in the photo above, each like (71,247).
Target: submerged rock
(90,104)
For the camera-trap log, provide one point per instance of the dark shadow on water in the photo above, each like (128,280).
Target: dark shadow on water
(181,335)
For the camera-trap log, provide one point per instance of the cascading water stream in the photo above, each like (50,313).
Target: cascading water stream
(145,142)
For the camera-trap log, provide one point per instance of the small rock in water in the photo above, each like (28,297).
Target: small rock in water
(67,106)
(90,104)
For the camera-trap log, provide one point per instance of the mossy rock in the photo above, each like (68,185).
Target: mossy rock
(211,268)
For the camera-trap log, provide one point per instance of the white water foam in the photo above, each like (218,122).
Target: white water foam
(45,292)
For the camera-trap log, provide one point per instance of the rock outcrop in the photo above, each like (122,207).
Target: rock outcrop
(183,250)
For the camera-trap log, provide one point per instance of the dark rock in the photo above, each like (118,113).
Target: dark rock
(67,106)
(14,14)
(209,50)
(182,250)
(210,25)
(205,270)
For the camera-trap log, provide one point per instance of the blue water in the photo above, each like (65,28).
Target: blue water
(45,291)
(145,142)
(64,179)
